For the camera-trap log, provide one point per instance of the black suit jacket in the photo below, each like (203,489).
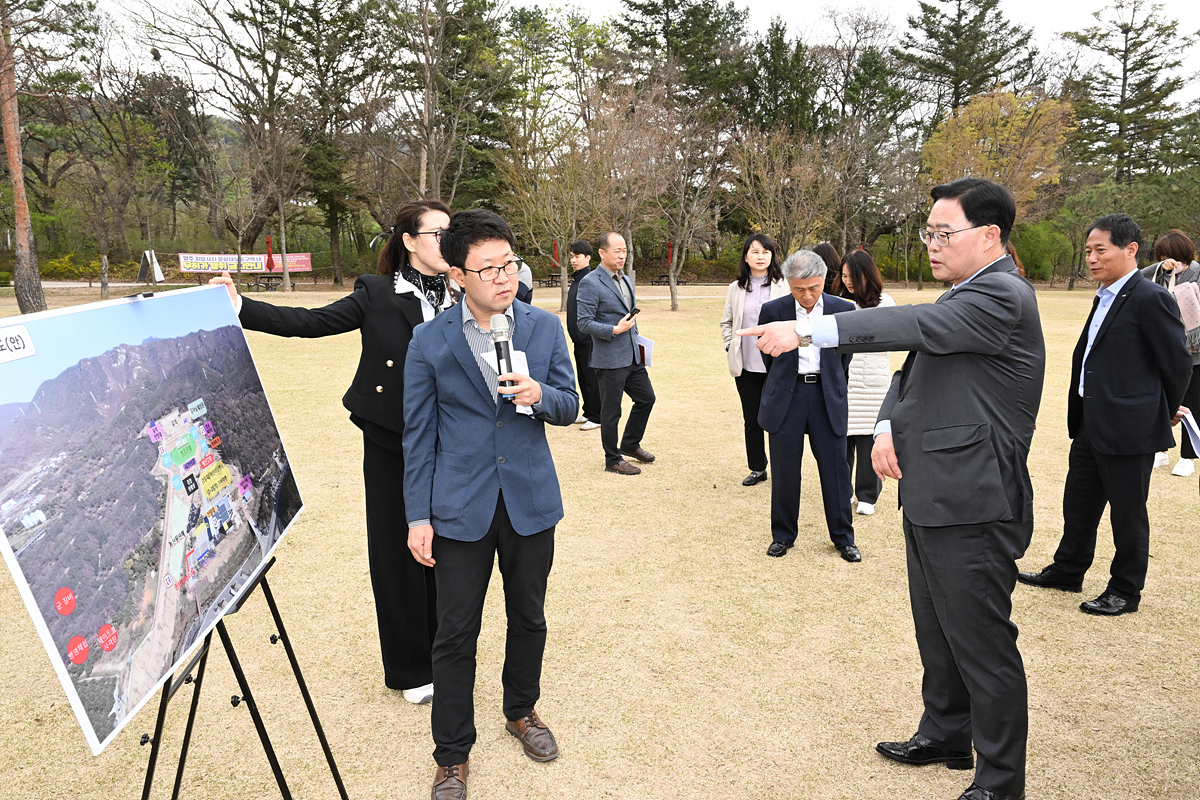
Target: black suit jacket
(781,370)
(386,320)
(1136,373)
(577,336)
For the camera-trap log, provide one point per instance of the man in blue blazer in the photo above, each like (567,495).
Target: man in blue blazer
(805,392)
(605,311)
(480,484)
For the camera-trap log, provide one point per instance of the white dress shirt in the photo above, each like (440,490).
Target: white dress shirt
(808,359)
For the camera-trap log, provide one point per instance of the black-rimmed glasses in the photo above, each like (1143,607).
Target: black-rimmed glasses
(437,235)
(943,237)
(491,273)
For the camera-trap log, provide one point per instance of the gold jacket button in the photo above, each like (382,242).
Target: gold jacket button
(379,388)
(389,363)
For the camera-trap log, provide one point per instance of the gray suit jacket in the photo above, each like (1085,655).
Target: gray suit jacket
(599,308)
(963,406)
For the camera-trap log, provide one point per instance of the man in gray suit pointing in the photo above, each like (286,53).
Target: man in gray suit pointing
(955,430)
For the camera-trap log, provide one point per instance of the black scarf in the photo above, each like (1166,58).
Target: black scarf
(432,286)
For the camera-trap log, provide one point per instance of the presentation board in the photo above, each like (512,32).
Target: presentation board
(143,483)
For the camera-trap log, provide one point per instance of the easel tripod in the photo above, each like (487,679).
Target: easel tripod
(199,661)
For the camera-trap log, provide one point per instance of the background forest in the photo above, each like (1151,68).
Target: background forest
(205,125)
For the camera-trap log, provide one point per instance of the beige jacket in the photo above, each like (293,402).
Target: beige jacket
(866,385)
(731,320)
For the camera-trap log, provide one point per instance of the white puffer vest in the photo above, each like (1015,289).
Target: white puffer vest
(867,385)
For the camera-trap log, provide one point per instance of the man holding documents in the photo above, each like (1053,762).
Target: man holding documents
(607,308)
(1128,375)
(480,484)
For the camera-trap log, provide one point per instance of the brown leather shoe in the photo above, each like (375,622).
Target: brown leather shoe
(535,737)
(640,453)
(623,468)
(450,783)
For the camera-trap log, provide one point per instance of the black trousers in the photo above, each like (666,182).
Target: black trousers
(807,414)
(750,389)
(1121,482)
(867,485)
(1191,401)
(405,593)
(589,384)
(463,571)
(960,583)
(634,381)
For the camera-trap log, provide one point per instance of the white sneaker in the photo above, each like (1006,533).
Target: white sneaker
(1184,468)
(420,695)
(589,426)
(581,420)
(866,509)
(1161,460)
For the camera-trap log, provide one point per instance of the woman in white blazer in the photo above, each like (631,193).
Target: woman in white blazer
(759,280)
(868,379)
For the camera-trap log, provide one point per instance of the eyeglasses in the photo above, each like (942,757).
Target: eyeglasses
(491,273)
(943,237)
(437,235)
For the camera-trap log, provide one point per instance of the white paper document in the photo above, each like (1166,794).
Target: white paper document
(520,367)
(1193,432)
(647,348)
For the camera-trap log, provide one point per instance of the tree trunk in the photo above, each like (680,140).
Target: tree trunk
(27,283)
(239,263)
(257,222)
(361,244)
(629,269)
(287,280)
(335,248)
(103,276)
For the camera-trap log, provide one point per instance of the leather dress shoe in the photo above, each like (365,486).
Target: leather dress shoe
(778,549)
(977,792)
(640,453)
(849,553)
(1050,578)
(623,467)
(450,783)
(535,737)
(920,751)
(757,476)
(1109,605)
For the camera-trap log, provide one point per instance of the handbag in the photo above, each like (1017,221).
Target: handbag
(1187,295)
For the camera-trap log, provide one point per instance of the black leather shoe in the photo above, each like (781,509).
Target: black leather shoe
(623,467)
(757,476)
(849,553)
(977,792)
(778,549)
(1050,578)
(920,751)
(1109,605)
(640,453)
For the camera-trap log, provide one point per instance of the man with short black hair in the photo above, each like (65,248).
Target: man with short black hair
(480,484)
(589,384)
(607,306)
(1129,372)
(954,431)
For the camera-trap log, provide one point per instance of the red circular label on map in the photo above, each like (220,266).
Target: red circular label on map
(77,650)
(108,638)
(64,601)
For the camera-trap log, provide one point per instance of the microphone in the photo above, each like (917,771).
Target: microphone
(503,351)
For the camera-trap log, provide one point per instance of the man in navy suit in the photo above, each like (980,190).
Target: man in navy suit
(805,392)
(480,484)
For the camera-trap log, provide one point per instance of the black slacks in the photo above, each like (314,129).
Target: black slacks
(634,381)
(867,485)
(750,388)
(589,384)
(960,583)
(405,594)
(807,414)
(1121,482)
(463,571)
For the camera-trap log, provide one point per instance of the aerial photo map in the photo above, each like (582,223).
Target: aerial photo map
(143,484)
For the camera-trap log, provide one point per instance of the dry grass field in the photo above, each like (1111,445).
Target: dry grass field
(682,661)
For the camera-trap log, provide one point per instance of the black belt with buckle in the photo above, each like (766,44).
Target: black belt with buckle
(808,377)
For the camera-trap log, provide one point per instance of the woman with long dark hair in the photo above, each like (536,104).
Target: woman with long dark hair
(411,288)
(829,255)
(868,379)
(759,280)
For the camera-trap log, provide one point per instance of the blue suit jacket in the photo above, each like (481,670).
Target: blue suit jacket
(781,370)
(461,447)
(599,308)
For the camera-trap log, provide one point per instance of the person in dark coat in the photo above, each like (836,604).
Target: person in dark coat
(589,384)
(411,288)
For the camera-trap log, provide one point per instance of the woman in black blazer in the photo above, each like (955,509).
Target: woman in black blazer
(410,289)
